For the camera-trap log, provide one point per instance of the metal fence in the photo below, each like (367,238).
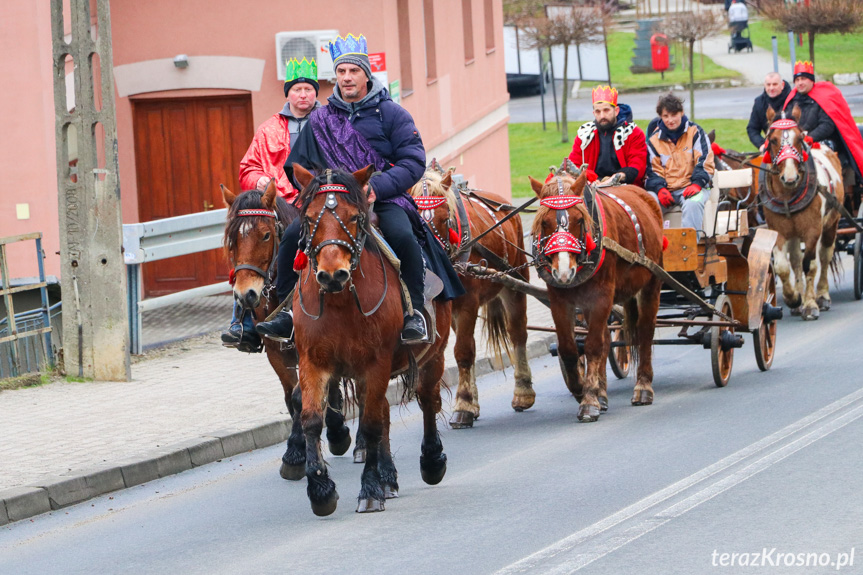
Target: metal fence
(162,239)
(24,345)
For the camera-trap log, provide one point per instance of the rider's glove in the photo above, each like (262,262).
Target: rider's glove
(691,190)
(665,198)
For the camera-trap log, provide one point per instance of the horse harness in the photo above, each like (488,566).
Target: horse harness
(458,223)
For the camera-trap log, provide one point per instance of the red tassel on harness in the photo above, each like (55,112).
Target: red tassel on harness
(232,277)
(301,261)
(766,159)
(589,243)
(453,237)
(548,178)
(805,156)
(664,243)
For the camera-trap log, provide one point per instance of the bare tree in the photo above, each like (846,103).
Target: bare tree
(688,28)
(815,17)
(563,24)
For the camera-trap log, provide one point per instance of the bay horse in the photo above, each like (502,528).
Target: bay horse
(505,310)
(347,322)
(799,197)
(253,228)
(585,273)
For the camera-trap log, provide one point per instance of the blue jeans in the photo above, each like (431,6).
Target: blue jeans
(248,323)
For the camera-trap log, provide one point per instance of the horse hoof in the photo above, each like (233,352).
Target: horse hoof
(642,397)
(433,476)
(359,455)
(588,413)
(603,404)
(340,447)
(391,492)
(522,402)
(324,508)
(292,472)
(461,420)
(823,303)
(810,314)
(369,505)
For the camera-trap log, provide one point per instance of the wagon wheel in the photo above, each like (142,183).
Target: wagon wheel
(619,358)
(764,337)
(858,260)
(720,359)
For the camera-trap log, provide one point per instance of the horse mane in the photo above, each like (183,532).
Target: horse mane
(252,200)
(436,188)
(550,189)
(355,196)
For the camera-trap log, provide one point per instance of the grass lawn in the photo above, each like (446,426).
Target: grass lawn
(834,53)
(620,46)
(532,151)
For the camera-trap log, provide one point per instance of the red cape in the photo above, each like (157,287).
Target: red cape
(833,103)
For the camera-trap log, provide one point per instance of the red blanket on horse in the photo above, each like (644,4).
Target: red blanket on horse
(833,102)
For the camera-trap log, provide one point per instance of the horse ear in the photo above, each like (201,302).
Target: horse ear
(363,175)
(771,114)
(536,185)
(446,181)
(711,136)
(228,195)
(269,199)
(795,113)
(302,175)
(580,182)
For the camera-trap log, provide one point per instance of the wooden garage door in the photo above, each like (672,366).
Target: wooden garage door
(185,148)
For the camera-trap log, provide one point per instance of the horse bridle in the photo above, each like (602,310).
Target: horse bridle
(269,274)
(562,239)
(426,205)
(355,246)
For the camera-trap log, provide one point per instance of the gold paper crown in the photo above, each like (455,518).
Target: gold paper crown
(605,94)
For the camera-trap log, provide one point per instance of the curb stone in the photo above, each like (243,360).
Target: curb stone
(58,491)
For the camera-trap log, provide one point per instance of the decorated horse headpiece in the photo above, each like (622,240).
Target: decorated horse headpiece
(786,149)
(562,240)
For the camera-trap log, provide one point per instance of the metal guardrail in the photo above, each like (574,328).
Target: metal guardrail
(13,332)
(161,239)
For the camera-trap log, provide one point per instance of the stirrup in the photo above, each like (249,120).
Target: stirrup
(424,339)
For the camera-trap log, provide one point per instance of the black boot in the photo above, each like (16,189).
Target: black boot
(243,339)
(415,330)
(281,327)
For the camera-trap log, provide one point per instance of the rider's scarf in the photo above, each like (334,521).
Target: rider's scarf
(833,103)
(340,143)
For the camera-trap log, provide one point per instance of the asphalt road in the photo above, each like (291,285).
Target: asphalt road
(771,464)
(732,103)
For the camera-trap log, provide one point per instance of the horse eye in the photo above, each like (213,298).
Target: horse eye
(355,218)
(266,237)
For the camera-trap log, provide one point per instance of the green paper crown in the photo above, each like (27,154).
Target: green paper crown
(301,69)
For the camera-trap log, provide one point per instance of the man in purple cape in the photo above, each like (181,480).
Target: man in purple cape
(361,125)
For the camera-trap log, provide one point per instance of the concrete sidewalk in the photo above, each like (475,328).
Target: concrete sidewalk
(188,404)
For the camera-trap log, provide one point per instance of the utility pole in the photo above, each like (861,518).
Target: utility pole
(93,275)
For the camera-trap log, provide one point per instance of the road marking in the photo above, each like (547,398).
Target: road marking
(565,556)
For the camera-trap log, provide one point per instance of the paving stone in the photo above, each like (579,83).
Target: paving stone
(234,442)
(24,502)
(270,433)
(138,471)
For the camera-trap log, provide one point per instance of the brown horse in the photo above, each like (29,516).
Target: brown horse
(799,198)
(348,320)
(583,272)
(505,310)
(254,223)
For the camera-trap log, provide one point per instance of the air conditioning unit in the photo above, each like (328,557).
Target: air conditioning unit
(309,44)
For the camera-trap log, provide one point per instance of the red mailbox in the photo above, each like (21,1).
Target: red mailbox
(659,59)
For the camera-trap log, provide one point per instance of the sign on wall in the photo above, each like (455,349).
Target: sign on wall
(378,61)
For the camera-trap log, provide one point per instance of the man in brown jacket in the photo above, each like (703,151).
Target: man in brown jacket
(680,162)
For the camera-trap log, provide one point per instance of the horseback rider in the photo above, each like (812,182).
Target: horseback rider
(775,93)
(612,143)
(361,125)
(680,162)
(263,162)
(826,118)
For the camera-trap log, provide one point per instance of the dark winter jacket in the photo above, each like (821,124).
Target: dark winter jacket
(813,119)
(758,124)
(387,127)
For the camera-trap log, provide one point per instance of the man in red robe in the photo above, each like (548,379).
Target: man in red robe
(265,160)
(612,143)
(826,117)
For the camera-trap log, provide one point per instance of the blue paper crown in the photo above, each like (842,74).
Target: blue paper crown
(350,44)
